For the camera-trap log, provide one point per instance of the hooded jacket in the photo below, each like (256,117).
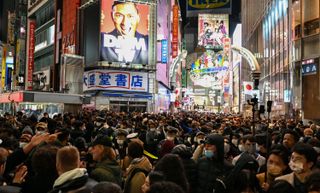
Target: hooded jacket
(211,169)
(107,170)
(137,173)
(75,180)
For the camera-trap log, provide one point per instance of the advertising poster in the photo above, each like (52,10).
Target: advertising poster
(124,32)
(212,29)
(175,30)
(115,80)
(194,7)
(31,47)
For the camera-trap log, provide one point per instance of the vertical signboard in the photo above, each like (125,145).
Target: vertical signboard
(30,54)
(175,30)
(69,26)
(4,67)
(11,22)
(164,51)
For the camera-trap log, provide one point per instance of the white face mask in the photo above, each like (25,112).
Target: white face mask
(257,147)
(234,142)
(241,148)
(152,129)
(296,167)
(120,142)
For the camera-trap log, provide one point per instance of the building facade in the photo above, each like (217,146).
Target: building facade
(284,36)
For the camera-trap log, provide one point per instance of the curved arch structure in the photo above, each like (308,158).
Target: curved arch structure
(254,65)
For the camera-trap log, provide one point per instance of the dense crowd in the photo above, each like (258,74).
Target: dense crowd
(184,152)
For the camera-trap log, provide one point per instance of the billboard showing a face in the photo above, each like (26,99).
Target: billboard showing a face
(212,30)
(124,32)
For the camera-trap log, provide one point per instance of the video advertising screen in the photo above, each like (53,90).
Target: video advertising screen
(124,32)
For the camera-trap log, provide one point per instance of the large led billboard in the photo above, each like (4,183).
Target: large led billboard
(212,29)
(195,7)
(124,32)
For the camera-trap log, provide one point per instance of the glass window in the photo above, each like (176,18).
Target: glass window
(296,19)
(311,17)
(311,47)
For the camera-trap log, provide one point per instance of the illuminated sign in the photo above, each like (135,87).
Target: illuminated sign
(194,7)
(164,51)
(115,80)
(4,67)
(124,32)
(213,29)
(175,29)
(31,47)
(309,69)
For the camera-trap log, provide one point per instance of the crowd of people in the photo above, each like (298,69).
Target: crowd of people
(183,152)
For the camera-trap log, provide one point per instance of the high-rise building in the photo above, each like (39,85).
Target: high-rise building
(284,36)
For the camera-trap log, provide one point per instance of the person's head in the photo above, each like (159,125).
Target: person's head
(165,187)
(135,150)
(43,161)
(125,18)
(281,186)
(68,158)
(41,127)
(303,158)
(214,146)
(153,177)
(101,149)
(173,170)
(248,142)
(3,158)
(290,138)
(109,187)
(199,137)
(277,161)
(308,132)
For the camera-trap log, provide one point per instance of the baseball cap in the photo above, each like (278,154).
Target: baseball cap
(102,140)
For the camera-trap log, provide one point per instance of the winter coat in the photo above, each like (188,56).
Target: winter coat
(137,173)
(75,180)
(209,170)
(107,170)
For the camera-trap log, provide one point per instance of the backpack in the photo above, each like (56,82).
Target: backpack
(127,183)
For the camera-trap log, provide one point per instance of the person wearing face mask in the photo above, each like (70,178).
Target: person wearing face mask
(152,137)
(121,145)
(277,165)
(212,166)
(307,135)
(249,144)
(303,158)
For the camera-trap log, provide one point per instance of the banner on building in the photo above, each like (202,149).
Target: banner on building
(175,30)
(115,80)
(3,67)
(11,23)
(195,7)
(124,32)
(212,30)
(31,46)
